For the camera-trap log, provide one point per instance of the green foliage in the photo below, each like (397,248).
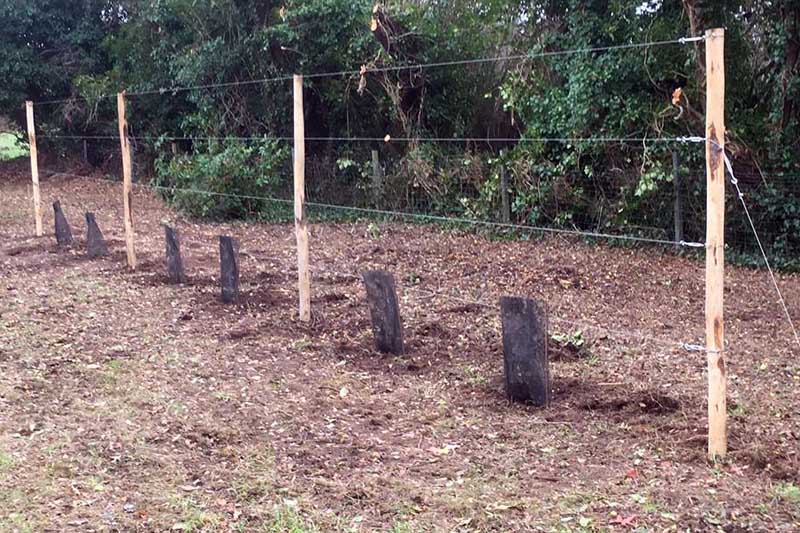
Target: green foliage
(775,208)
(94,48)
(788,492)
(45,44)
(286,519)
(232,177)
(12,146)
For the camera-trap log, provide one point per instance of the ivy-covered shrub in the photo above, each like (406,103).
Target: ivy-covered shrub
(225,180)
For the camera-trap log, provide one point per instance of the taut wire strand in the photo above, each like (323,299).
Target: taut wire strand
(437,218)
(418,66)
(629,335)
(735,183)
(475,140)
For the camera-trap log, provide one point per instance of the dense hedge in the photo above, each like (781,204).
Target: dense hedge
(56,49)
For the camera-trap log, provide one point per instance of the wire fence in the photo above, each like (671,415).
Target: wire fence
(469,186)
(364,70)
(469,197)
(565,323)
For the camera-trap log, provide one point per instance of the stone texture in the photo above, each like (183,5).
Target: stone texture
(63,231)
(526,362)
(385,311)
(95,243)
(175,271)
(229,269)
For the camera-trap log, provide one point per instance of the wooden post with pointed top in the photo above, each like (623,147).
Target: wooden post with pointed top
(127,178)
(677,182)
(715,239)
(301,226)
(37,199)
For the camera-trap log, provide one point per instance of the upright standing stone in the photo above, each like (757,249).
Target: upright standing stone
(95,243)
(385,311)
(175,270)
(63,231)
(525,355)
(229,269)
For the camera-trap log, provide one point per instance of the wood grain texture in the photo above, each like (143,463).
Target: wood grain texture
(715,239)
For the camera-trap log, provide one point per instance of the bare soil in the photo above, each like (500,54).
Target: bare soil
(128,404)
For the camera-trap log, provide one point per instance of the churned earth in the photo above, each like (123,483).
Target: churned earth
(129,404)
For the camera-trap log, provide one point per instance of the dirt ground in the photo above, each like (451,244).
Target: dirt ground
(128,404)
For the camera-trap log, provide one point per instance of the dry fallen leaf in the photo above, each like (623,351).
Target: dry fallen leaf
(676,96)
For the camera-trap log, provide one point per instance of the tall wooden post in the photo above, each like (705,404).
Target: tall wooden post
(678,186)
(127,178)
(37,199)
(504,199)
(301,227)
(377,179)
(715,239)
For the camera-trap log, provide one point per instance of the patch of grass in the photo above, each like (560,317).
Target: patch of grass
(737,410)
(286,519)
(95,484)
(255,478)
(193,517)
(19,509)
(302,345)
(12,146)
(18,523)
(7,462)
(577,501)
(112,374)
(788,493)
(402,527)
(475,377)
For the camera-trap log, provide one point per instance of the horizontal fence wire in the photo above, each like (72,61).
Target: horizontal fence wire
(367,70)
(438,218)
(389,139)
(419,216)
(629,335)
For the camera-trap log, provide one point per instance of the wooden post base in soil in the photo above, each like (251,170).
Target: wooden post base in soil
(95,243)
(385,311)
(63,231)
(715,244)
(526,362)
(505,200)
(37,198)
(175,271)
(229,269)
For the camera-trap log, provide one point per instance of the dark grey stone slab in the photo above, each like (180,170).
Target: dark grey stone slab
(95,243)
(385,311)
(175,270)
(63,231)
(526,361)
(229,269)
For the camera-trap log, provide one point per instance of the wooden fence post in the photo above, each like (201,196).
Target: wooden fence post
(377,179)
(678,186)
(301,227)
(506,204)
(127,178)
(715,239)
(37,199)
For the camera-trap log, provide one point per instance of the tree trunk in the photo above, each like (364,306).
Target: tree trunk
(791,20)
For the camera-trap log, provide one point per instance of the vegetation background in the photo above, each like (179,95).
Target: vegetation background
(79,51)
